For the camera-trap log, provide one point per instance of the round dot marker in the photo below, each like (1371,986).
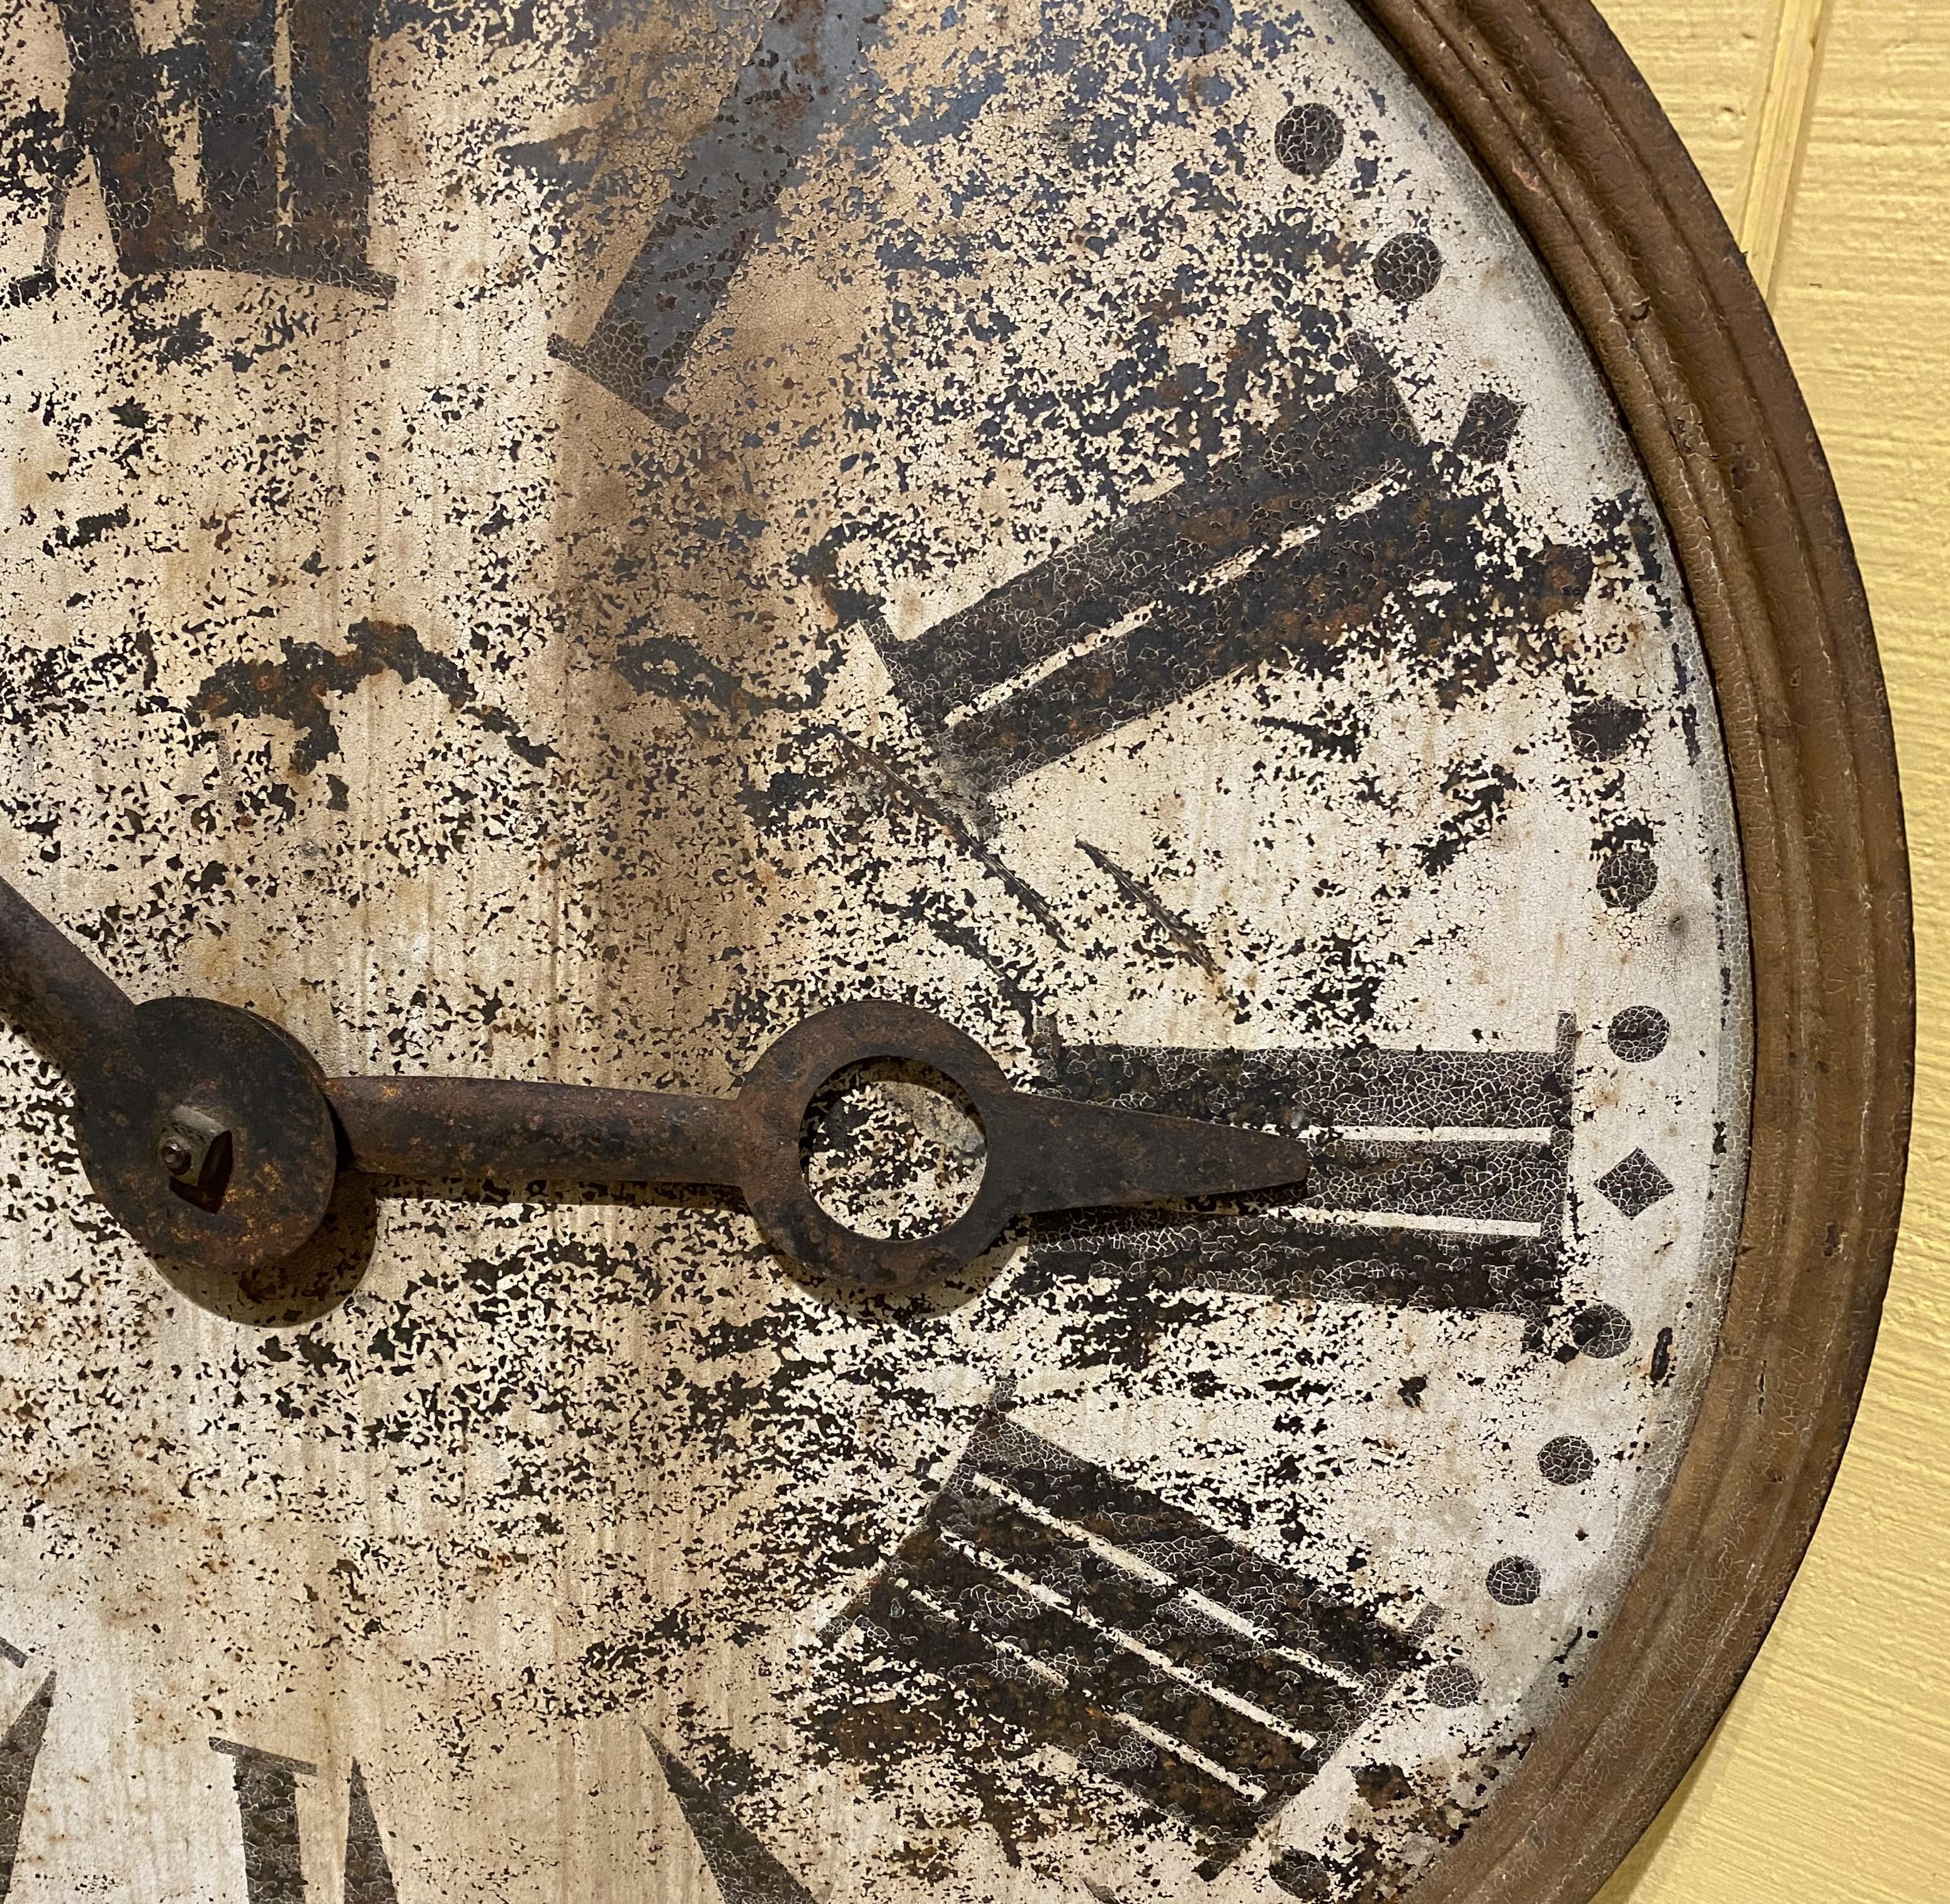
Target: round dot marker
(1300,1874)
(1602,1331)
(1197,27)
(1628,877)
(1567,1462)
(1514,1582)
(1309,139)
(1638,1034)
(1408,266)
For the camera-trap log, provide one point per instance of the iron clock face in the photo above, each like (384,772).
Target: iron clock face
(553,544)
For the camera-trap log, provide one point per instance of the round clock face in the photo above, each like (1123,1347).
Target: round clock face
(550,543)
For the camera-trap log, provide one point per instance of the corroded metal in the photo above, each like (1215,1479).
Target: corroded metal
(549,544)
(1042,1155)
(206,1131)
(212,1230)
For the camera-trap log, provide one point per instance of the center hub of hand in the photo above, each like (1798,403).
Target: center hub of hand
(892,1149)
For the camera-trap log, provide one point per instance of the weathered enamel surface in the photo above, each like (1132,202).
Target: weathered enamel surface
(1088,522)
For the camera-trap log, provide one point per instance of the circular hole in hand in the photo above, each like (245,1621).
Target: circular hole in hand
(891,1149)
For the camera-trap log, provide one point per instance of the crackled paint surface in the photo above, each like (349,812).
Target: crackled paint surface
(553,544)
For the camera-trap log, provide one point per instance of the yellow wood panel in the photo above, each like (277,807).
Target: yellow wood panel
(1829,1782)
(1707,60)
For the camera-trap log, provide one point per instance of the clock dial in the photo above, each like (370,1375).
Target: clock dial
(553,546)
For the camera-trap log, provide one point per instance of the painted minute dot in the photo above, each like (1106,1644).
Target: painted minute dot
(1638,1034)
(1634,1184)
(1567,1462)
(1601,1331)
(1408,266)
(1515,1580)
(1451,1685)
(1309,139)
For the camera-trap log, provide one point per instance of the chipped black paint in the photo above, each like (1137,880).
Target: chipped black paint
(20,1752)
(296,689)
(1109,1635)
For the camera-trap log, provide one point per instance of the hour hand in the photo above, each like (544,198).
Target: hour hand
(68,1008)
(1043,1154)
(1076,1156)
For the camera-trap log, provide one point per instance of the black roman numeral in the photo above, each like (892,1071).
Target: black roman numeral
(267,1805)
(20,1752)
(286,179)
(1439,1178)
(746,1872)
(1063,1603)
(724,201)
(1333,521)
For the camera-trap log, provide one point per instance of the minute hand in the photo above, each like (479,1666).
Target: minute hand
(1044,1154)
(1078,1156)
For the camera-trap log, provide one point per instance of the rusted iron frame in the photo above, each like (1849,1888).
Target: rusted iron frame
(1597,176)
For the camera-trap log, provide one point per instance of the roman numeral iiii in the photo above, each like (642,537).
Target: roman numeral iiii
(1063,1602)
(286,176)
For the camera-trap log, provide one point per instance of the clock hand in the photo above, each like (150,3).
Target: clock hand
(67,1007)
(202,1126)
(463,1128)
(210,1132)
(1044,1154)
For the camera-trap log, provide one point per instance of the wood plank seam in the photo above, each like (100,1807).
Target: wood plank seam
(1781,135)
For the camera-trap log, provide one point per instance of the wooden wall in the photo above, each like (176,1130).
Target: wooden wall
(1824,126)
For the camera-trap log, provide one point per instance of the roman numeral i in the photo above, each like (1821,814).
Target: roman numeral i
(724,200)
